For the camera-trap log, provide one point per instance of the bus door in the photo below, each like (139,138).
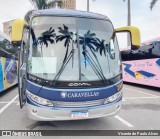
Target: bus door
(22,69)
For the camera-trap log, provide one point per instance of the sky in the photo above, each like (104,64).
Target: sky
(142,17)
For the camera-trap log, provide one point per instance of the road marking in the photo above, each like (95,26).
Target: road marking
(8,104)
(123,121)
(139,97)
(140,92)
(4,102)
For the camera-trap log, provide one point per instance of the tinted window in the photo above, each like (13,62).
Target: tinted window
(144,52)
(7,50)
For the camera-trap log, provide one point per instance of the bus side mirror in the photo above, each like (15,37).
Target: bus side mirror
(134,35)
(17,31)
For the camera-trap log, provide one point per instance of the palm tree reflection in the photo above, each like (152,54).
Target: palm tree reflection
(88,40)
(47,36)
(67,36)
(103,47)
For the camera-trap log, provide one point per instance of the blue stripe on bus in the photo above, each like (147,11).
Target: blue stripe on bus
(127,69)
(56,94)
(1,77)
(158,62)
(32,87)
(146,74)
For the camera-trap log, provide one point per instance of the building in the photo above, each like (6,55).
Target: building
(3,37)
(66,4)
(69,4)
(7,27)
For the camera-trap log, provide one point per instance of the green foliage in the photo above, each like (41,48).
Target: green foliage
(52,4)
(42,4)
(28,16)
(153,3)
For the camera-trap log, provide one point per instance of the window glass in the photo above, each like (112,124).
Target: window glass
(54,51)
(73,49)
(99,53)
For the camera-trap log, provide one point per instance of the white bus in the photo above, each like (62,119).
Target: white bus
(69,64)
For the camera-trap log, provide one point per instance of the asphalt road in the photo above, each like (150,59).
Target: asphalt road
(140,111)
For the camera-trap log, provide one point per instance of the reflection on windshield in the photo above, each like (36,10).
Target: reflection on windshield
(53,61)
(7,50)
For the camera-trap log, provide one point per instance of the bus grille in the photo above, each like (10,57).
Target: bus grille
(64,104)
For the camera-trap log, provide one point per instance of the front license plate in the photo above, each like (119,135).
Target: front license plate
(79,114)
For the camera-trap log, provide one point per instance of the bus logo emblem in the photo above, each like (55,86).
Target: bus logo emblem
(63,94)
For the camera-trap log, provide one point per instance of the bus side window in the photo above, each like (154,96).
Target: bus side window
(25,42)
(23,50)
(156,50)
(5,49)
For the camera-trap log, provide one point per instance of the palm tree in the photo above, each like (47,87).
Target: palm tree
(153,3)
(47,36)
(102,47)
(28,16)
(88,40)
(94,44)
(39,4)
(67,36)
(45,4)
(42,4)
(55,3)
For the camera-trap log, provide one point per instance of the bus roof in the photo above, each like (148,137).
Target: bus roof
(67,12)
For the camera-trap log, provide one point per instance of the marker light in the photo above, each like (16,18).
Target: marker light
(39,100)
(113,98)
(119,86)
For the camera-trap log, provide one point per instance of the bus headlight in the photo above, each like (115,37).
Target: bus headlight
(113,98)
(39,100)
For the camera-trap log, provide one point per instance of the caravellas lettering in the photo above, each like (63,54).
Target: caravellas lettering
(79,94)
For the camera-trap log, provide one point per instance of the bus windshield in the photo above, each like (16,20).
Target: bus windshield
(73,49)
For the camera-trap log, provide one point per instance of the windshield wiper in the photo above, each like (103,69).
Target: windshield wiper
(96,68)
(64,64)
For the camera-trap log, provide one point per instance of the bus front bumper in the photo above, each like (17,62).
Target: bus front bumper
(59,114)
